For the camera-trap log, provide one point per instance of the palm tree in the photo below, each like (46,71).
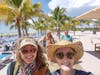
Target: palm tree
(10,12)
(73,24)
(41,25)
(58,15)
(16,12)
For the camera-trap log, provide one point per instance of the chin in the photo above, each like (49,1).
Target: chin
(29,62)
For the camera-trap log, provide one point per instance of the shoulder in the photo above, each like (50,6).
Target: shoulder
(44,70)
(43,67)
(12,64)
(80,72)
(62,36)
(10,68)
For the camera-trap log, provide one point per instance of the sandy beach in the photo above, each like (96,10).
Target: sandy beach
(91,59)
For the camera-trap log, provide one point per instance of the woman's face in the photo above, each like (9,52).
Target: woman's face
(28,53)
(49,34)
(65,56)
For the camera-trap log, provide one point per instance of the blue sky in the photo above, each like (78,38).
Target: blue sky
(73,7)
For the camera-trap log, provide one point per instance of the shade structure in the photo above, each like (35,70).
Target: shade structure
(91,14)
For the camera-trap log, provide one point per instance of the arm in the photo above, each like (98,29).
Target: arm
(10,68)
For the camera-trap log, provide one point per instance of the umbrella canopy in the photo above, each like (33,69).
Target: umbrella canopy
(91,14)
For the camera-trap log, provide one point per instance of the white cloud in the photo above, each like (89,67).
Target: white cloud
(95,3)
(54,3)
(73,3)
(79,3)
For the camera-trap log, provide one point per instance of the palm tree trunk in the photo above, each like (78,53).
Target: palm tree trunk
(19,31)
(26,32)
(18,25)
(58,31)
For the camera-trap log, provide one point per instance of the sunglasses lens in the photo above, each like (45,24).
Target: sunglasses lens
(24,51)
(70,55)
(28,51)
(33,50)
(59,55)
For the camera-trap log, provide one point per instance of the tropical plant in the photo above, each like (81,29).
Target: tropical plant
(17,12)
(58,16)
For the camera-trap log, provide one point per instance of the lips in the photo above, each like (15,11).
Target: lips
(29,59)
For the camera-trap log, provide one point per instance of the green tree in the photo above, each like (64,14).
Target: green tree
(17,12)
(58,15)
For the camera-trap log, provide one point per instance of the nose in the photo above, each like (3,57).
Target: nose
(65,59)
(29,53)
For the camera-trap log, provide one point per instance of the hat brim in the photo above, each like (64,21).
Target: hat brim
(76,46)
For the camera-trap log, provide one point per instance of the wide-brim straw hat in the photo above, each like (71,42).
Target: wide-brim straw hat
(76,46)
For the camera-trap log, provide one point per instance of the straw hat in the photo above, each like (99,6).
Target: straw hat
(77,46)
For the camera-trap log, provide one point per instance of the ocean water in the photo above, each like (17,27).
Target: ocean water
(4,56)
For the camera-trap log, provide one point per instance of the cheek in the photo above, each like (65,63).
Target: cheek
(58,61)
(34,55)
(72,62)
(22,56)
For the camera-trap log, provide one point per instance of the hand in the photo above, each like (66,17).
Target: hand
(65,68)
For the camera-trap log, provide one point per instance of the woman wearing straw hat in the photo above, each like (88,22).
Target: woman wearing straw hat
(30,59)
(66,54)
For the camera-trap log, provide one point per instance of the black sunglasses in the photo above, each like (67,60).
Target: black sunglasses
(24,51)
(69,55)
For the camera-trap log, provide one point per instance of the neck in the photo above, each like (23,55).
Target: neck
(70,72)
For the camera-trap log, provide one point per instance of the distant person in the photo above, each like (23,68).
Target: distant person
(66,36)
(6,47)
(13,46)
(30,59)
(66,54)
(47,39)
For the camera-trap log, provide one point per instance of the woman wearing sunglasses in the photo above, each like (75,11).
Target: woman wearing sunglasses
(66,54)
(29,59)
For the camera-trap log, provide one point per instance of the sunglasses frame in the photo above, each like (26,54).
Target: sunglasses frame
(60,55)
(24,51)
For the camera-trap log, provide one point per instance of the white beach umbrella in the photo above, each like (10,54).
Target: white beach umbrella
(91,14)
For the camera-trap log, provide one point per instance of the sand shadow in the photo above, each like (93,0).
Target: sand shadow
(95,53)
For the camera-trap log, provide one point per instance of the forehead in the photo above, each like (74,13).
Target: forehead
(28,46)
(48,32)
(66,31)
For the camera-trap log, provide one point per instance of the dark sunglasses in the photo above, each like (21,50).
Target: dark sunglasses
(69,55)
(24,51)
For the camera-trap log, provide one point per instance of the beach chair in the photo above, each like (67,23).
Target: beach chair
(96,42)
(97,46)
